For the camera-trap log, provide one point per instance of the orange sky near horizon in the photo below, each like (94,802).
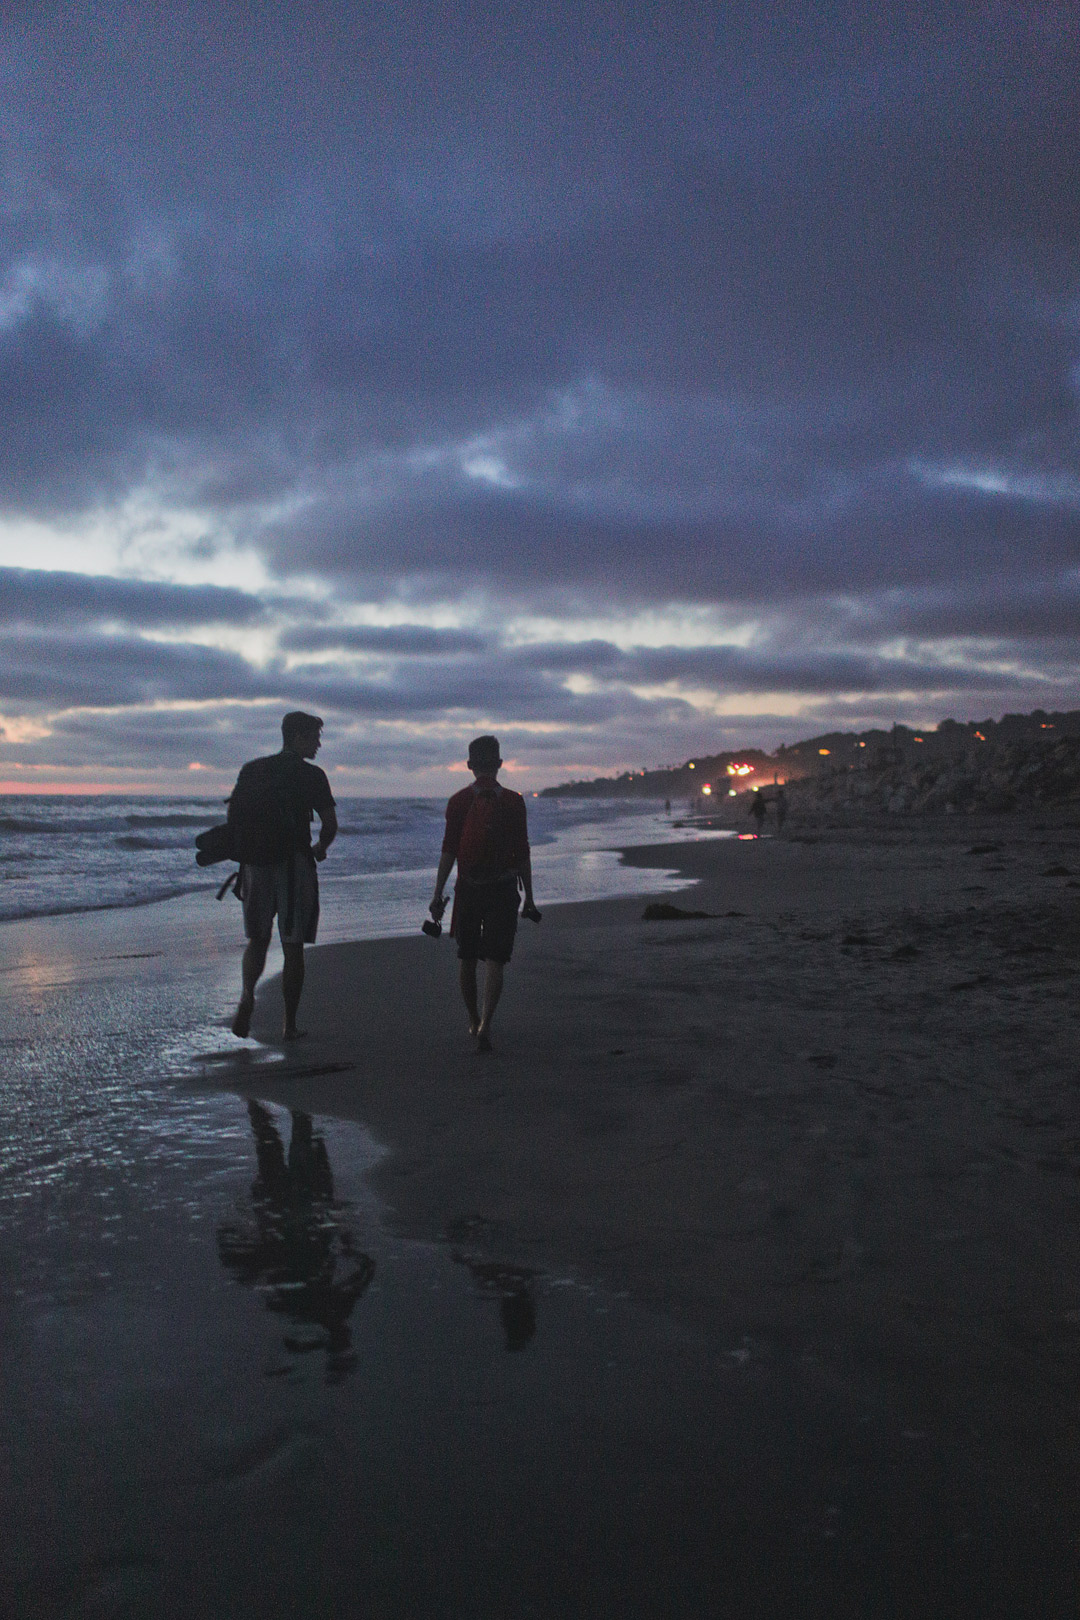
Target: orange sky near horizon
(153,789)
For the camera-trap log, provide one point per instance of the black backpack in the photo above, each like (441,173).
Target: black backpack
(214,845)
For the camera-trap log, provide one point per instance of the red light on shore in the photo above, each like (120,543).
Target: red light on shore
(706,788)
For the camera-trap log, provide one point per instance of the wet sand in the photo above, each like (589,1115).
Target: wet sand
(834,1130)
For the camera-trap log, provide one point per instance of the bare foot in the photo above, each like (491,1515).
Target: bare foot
(241,1024)
(474,1026)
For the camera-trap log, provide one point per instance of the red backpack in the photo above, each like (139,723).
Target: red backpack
(478,851)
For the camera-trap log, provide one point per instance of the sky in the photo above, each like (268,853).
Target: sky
(632,381)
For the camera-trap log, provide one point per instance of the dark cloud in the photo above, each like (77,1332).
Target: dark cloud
(1021,611)
(886,531)
(54,671)
(35,597)
(772,668)
(399,640)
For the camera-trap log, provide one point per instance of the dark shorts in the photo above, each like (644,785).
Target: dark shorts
(486,920)
(265,893)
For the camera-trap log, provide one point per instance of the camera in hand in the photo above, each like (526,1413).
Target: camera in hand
(432,926)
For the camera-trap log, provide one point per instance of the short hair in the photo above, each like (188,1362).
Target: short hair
(484,753)
(298,724)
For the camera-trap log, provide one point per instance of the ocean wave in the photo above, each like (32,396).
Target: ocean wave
(166,821)
(70,828)
(132,841)
(39,827)
(128,903)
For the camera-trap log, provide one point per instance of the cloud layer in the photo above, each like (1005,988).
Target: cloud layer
(627,384)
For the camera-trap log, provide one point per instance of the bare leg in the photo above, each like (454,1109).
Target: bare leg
(292,983)
(251,966)
(467,980)
(493,983)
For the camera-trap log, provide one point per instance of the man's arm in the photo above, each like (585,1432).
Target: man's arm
(524,863)
(525,874)
(327,832)
(446,864)
(455,816)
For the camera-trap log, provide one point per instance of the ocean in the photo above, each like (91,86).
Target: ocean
(63,855)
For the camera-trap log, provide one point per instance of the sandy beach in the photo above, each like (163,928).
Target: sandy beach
(833,1127)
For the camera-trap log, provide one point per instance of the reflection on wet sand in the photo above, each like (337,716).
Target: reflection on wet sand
(512,1286)
(295,1244)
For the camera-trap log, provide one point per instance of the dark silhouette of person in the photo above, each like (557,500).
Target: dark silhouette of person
(758,808)
(296,1244)
(487,835)
(781,804)
(291,789)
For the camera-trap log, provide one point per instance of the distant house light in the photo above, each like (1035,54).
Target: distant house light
(690,767)
(824,750)
(1046,725)
(980,736)
(862,745)
(916,739)
(706,788)
(733,793)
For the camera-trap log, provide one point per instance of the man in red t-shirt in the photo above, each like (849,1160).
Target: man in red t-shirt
(487,834)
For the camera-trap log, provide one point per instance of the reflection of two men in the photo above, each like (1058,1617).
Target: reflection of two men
(295,1246)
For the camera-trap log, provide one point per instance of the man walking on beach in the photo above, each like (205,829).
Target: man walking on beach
(270,813)
(487,834)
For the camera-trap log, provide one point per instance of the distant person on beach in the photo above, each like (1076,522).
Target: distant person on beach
(780,801)
(487,835)
(758,808)
(270,811)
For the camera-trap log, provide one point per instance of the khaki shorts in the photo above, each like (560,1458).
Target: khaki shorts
(264,891)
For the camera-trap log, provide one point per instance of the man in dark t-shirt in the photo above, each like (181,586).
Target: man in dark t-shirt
(287,888)
(487,835)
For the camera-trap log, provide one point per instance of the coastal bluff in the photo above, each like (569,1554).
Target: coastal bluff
(967,767)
